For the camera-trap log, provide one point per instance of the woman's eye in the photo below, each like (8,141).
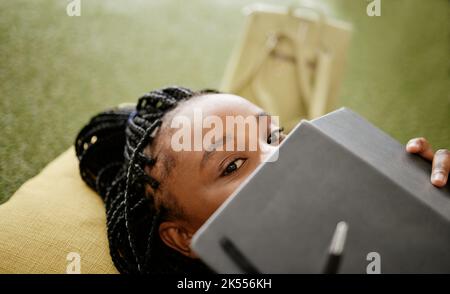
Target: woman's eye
(232,167)
(275,136)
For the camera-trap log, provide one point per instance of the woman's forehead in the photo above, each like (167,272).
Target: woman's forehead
(197,111)
(217,105)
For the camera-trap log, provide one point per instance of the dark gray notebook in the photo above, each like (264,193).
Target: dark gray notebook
(337,168)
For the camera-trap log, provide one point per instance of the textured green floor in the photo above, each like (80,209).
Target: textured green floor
(57,71)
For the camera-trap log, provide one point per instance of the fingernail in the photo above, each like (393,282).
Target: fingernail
(438,177)
(413,145)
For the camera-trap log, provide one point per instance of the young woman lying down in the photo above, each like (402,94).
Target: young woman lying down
(156,197)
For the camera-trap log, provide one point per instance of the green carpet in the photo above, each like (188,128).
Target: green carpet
(57,71)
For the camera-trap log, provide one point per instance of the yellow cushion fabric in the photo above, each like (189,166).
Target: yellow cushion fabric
(51,215)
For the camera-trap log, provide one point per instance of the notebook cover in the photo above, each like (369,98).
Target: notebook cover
(336,168)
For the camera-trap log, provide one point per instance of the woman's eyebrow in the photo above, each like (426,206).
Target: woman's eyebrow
(213,148)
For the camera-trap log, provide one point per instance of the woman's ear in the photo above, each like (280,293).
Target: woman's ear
(177,237)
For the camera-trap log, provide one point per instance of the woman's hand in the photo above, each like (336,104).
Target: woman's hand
(440,159)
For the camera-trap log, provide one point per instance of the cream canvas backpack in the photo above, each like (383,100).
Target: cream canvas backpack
(289,61)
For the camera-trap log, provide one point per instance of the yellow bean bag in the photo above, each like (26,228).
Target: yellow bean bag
(50,216)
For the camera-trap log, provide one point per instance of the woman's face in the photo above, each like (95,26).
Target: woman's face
(198,182)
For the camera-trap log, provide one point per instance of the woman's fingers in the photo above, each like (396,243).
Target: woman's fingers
(441,159)
(441,168)
(421,147)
